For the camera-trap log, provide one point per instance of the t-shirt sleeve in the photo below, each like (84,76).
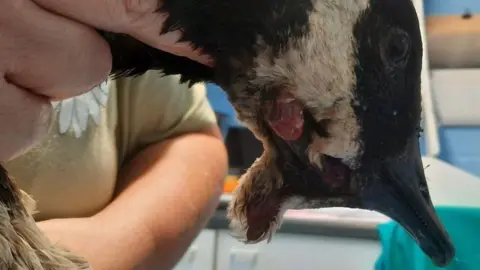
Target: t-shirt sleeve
(152,108)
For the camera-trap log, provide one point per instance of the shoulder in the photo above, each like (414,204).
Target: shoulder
(153,94)
(152,83)
(153,107)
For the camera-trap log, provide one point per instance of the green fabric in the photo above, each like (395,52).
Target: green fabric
(400,252)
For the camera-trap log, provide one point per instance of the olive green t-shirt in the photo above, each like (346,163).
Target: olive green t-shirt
(73,172)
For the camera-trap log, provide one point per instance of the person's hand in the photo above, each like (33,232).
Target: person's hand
(43,56)
(137,18)
(46,53)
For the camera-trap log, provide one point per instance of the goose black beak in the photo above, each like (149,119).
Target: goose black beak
(398,188)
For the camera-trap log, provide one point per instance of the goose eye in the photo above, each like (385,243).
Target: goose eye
(395,48)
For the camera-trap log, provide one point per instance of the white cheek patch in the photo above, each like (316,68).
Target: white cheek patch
(319,72)
(342,141)
(341,144)
(320,66)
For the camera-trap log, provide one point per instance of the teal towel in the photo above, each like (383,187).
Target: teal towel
(400,252)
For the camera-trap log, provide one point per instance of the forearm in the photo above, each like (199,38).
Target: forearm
(175,189)
(169,192)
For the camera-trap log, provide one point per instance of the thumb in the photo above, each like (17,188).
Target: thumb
(137,18)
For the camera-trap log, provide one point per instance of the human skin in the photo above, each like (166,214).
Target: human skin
(50,50)
(166,195)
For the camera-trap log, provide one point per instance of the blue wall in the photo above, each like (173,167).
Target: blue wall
(461,147)
(450,7)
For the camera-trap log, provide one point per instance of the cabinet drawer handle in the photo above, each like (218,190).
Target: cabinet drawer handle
(243,259)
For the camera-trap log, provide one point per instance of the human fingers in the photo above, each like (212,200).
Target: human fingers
(25,119)
(138,18)
(49,54)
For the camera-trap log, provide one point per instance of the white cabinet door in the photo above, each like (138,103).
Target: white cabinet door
(200,255)
(289,251)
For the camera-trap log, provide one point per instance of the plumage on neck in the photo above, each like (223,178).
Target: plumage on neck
(229,31)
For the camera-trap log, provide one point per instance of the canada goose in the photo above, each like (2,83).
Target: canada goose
(330,87)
